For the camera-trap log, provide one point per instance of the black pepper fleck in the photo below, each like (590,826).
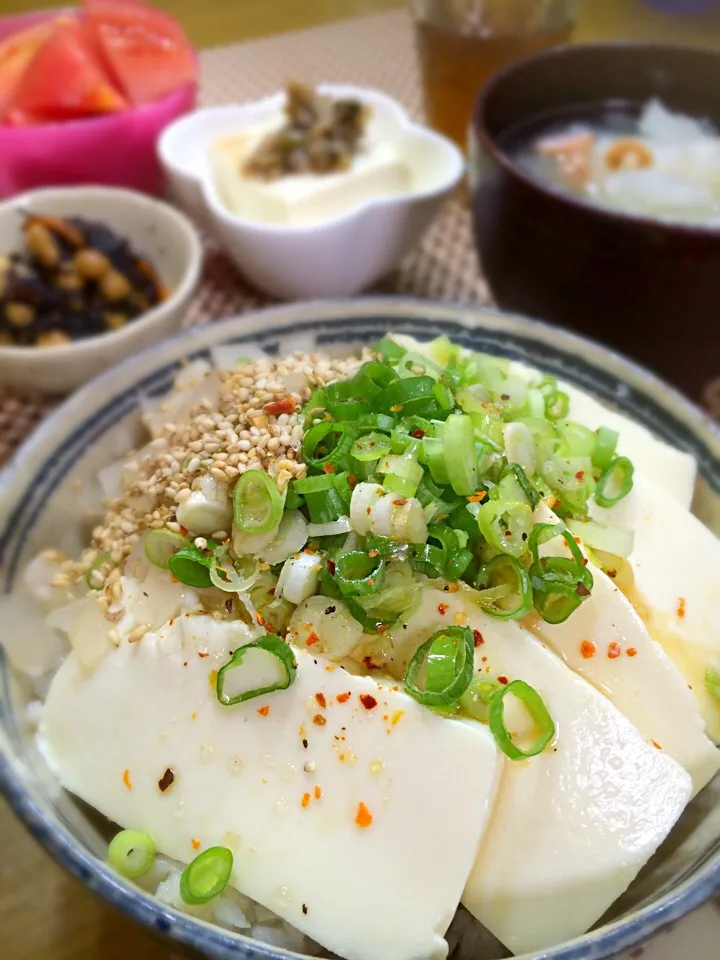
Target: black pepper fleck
(166,780)
(304,909)
(228,605)
(145,594)
(305,744)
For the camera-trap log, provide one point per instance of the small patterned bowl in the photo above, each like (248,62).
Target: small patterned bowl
(40,506)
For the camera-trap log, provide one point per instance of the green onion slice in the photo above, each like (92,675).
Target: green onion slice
(257,502)
(207,876)
(95,565)
(560,584)
(132,853)
(192,566)
(410,397)
(358,574)
(712,682)
(606,442)
(506,525)
(371,446)
(225,575)
(516,599)
(459,453)
(388,349)
(267,660)
(161,545)
(515,471)
(557,405)
(447,659)
(615,482)
(476,699)
(533,703)
(327,442)
(345,400)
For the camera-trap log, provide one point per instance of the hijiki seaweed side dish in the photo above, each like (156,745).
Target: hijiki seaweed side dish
(345,619)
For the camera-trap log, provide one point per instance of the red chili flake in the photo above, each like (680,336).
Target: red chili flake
(328,468)
(369,665)
(352,479)
(368,701)
(203,653)
(305,802)
(588,649)
(477,497)
(631,652)
(371,582)
(322,702)
(614,650)
(343,697)
(418,434)
(317,791)
(127,780)
(401,502)
(312,639)
(363,817)
(373,553)
(260,618)
(264,711)
(382,627)
(331,568)
(611,573)
(580,475)
(503,680)
(681,607)
(442,609)
(484,659)
(583,590)
(478,638)
(276,407)
(319,720)
(656,745)
(166,780)
(183,530)
(195,844)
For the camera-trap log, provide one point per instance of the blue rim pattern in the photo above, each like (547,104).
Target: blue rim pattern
(560,353)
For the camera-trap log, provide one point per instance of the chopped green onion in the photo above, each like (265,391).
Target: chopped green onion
(293,498)
(476,699)
(224,574)
(577,440)
(305,485)
(414,396)
(325,506)
(712,682)
(506,525)
(345,400)
(269,652)
(371,446)
(504,571)
(257,503)
(434,454)
(327,442)
(161,545)
(615,482)
(560,584)
(207,876)
(459,453)
(402,475)
(358,574)
(421,364)
(95,565)
(375,421)
(388,349)
(527,490)
(606,442)
(533,703)
(192,566)
(132,853)
(557,405)
(444,683)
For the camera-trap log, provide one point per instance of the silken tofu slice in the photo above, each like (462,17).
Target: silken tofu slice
(676,568)
(337,795)
(572,827)
(606,642)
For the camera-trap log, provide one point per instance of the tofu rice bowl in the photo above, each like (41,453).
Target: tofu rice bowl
(374,652)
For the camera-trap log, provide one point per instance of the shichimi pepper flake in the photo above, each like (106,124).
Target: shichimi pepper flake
(127,780)
(588,649)
(319,720)
(321,701)
(305,802)
(478,639)
(442,609)
(396,717)
(614,650)
(317,792)
(264,711)
(503,680)
(312,639)
(681,607)
(368,701)
(166,780)
(195,844)
(363,817)
(343,697)
(631,652)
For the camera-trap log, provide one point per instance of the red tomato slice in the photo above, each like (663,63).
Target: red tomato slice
(144,50)
(15,54)
(63,81)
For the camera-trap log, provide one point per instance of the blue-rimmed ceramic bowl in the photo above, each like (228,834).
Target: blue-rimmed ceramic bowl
(40,506)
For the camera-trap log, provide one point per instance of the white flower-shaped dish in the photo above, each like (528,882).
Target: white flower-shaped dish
(338,256)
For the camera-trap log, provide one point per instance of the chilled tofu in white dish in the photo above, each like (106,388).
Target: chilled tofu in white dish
(346,618)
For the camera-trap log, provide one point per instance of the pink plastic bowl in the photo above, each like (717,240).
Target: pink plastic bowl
(117,150)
